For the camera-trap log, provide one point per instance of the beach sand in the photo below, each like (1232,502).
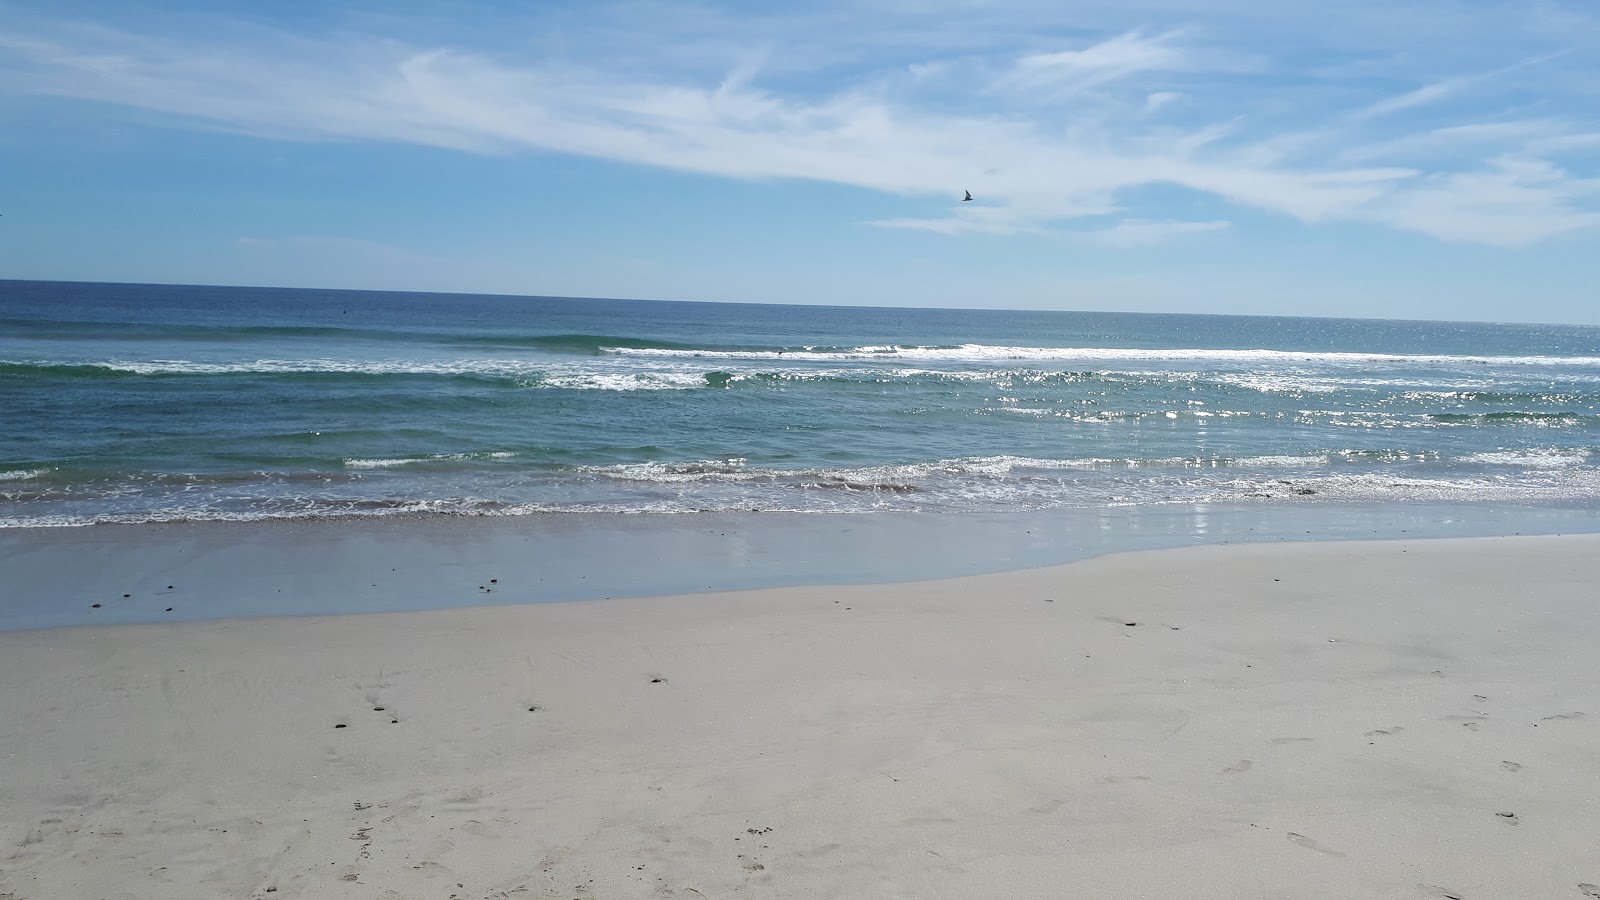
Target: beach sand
(1408,719)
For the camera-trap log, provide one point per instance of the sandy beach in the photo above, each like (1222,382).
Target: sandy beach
(1400,719)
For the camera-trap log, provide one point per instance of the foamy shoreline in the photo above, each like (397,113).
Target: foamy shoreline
(1289,720)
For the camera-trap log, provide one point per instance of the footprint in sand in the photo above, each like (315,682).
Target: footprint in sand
(1242,766)
(1392,729)
(1570,715)
(467,801)
(478,829)
(1589,890)
(1310,844)
(1289,740)
(1510,766)
(1433,890)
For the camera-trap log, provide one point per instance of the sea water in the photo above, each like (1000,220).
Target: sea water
(140,403)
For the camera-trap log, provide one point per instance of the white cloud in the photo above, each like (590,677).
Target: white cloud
(1428,93)
(1515,203)
(1158,99)
(1109,132)
(1118,57)
(1453,140)
(1446,88)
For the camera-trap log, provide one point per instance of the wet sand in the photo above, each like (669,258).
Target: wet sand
(1403,719)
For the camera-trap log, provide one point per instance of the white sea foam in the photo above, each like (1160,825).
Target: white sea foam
(882,477)
(977,483)
(1281,461)
(644,369)
(469,366)
(989,465)
(728,470)
(1281,383)
(626,381)
(531,373)
(23,474)
(1533,459)
(1175,478)
(381,463)
(986,352)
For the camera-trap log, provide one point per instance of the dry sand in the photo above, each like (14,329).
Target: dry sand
(1382,720)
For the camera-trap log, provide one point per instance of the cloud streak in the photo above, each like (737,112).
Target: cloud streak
(1065,71)
(1071,131)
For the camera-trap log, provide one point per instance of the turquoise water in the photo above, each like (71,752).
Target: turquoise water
(135,403)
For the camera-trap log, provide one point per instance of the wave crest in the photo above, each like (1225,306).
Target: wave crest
(988,352)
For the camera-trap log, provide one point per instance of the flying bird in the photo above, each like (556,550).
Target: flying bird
(967,197)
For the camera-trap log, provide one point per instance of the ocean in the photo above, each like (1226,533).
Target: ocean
(145,403)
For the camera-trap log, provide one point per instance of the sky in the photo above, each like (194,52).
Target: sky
(1434,159)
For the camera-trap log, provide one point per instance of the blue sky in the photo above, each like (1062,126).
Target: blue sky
(1425,159)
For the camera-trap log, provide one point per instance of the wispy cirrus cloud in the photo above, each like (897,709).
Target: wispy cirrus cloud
(1538,199)
(1045,130)
(1121,56)
(1445,88)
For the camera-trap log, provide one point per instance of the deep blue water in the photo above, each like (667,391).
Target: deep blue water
(142,402)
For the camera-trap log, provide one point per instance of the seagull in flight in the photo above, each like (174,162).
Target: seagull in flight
(967,197)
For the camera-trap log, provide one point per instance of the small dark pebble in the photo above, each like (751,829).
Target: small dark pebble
(126,596)
(377,709)
(394,721)
(494,581)
(94,606)
(1507,815)
(1130,624)
(169,609)
(657,680)
(340,725)
(169,587)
